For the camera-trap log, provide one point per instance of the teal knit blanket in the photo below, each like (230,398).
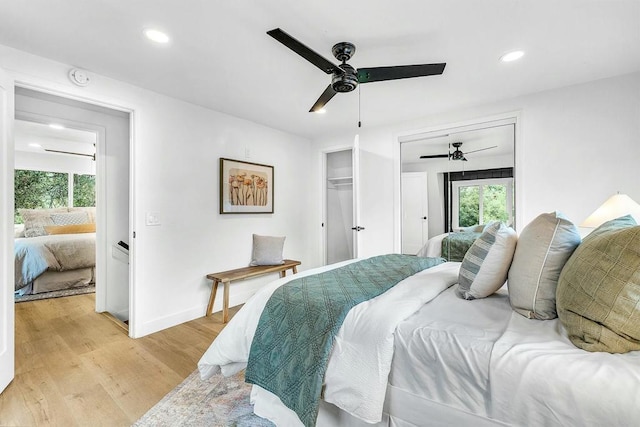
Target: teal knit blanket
(293,340)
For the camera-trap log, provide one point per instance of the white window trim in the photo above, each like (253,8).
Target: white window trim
(455,193)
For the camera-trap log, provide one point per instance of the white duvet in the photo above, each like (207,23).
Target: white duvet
(358,369)
(538,377)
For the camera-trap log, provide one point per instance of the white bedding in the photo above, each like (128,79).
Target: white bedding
(539,377)
(356,376)
(442,352)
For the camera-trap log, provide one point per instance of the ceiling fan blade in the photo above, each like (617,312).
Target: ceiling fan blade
(435,156)
(377,74)
(302,50)
(324,98)
(482,149)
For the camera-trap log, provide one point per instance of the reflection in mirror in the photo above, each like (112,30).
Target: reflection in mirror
(453,183)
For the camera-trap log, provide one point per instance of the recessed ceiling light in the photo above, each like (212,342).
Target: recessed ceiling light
(156,36)
(512,56)
(321,111)
(35,145)
(56,126)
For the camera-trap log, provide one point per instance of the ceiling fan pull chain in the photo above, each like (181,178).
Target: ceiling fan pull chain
(359,122)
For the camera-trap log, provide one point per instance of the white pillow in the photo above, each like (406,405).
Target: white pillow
(486,264)
(267,250)
(544,246)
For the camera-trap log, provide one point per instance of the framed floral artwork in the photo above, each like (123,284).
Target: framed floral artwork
(245,187)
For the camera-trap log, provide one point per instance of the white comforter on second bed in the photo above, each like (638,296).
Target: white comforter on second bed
(358,369)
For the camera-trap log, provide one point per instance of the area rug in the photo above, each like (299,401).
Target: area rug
(57,294)
(218,401)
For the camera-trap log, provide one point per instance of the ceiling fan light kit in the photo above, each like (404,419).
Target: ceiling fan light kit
(344,77)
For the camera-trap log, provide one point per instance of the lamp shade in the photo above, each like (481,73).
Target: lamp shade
(615,207)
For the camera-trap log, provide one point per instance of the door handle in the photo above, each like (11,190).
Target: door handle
(357,228)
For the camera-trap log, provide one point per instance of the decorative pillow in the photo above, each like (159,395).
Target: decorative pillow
(18,230)
(36,219)
(90,210)
(70,229)
(486,264)
(598,295)
(70,218)
(544,246)
(267,250)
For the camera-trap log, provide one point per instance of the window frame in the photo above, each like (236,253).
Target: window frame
(455,193)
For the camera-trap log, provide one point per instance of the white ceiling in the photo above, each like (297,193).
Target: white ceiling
(501,138)
(28,134)
(220,57)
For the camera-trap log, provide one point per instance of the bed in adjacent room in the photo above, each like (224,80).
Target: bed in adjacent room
(453,344)
(55,250)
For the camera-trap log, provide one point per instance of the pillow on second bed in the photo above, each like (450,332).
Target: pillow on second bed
(486,264)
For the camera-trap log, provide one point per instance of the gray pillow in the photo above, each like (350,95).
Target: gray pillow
(486,264)
(71,218)
(267,250)
(544,246)
(599,289)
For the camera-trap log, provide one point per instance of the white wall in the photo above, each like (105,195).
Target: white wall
(176,152)
(577,146)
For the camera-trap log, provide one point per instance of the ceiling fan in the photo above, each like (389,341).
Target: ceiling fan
(457,154)
(344,77)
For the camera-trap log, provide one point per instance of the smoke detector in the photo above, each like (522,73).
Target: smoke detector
(79,77)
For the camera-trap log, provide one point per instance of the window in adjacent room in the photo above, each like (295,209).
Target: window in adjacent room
(45,190)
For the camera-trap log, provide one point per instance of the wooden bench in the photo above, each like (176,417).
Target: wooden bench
(243,273)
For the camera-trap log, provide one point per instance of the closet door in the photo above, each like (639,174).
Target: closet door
(7,338)
(415,227)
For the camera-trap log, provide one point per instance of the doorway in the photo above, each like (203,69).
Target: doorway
(340,244)
(111,169)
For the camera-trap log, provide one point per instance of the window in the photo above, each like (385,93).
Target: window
(46,190)
(481,201)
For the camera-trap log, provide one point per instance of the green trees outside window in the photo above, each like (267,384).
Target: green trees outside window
(483,201)
(46,190)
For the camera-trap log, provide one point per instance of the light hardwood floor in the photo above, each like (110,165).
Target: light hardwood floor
(75,367)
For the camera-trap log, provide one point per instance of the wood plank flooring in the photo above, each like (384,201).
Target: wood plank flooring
(75,367)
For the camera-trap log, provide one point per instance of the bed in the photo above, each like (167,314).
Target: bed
(451,246)
(54,250)
(423,354)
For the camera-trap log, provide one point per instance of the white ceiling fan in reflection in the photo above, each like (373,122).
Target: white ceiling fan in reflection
(457,154)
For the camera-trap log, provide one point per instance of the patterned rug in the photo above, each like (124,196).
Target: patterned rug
(218,402)
(57,294)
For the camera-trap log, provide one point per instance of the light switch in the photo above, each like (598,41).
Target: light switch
(152,218)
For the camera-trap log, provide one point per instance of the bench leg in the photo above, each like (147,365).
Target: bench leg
(225,305)
(212,297)
(295,269)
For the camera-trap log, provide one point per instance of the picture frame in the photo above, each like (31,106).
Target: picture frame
(245,187)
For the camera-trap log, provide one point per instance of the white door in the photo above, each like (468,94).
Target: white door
(415,227)
(7,343)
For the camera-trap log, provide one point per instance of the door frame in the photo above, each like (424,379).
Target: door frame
(21,82)
(7,308)
(512,117)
